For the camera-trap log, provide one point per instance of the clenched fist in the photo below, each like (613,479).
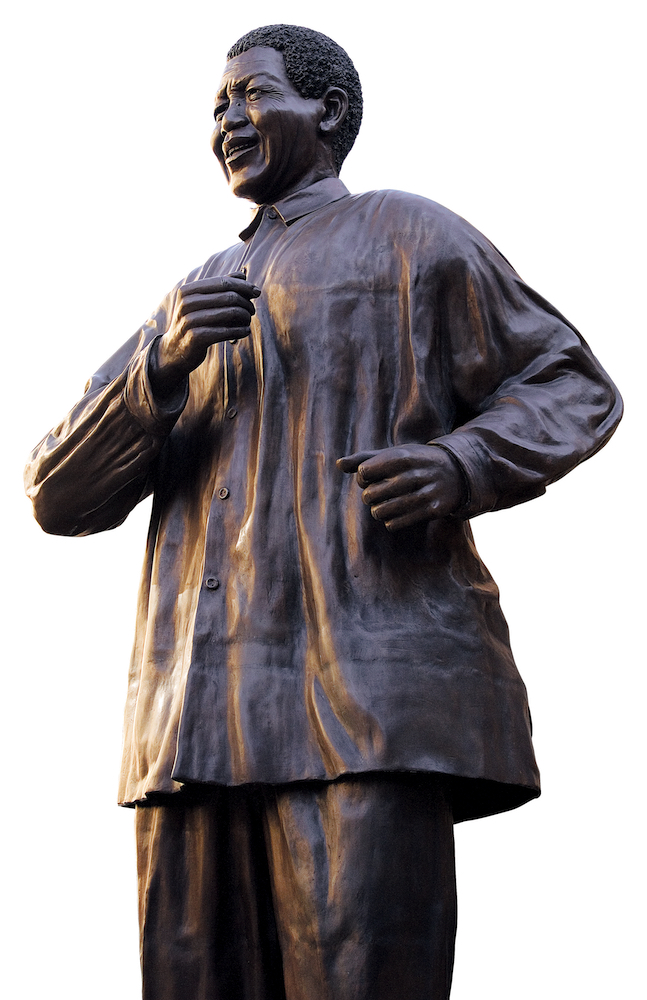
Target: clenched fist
(206,312)
(409,484)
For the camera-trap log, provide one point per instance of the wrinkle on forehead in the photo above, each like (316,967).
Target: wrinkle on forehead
(258,76)
(253,64)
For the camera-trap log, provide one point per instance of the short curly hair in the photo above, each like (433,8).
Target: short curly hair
(313,62)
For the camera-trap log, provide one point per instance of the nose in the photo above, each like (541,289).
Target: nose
(235,116)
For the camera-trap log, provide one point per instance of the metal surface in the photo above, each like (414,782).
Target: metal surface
(318,411)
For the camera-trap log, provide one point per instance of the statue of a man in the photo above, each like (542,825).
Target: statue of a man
(321,681)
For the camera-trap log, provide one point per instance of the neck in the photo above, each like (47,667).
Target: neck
(311,177)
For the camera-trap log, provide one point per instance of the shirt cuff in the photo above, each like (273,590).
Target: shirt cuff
(479,498)
(156,418)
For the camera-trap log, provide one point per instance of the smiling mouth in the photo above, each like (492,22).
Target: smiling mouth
(237,147)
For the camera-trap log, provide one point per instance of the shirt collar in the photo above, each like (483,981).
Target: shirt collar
(300,203)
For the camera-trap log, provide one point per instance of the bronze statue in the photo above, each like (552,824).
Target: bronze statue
(321,681)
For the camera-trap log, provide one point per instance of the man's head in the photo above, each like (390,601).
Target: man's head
(288,110)
(313,63)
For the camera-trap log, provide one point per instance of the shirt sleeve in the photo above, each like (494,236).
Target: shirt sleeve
(89,472)
(532,401)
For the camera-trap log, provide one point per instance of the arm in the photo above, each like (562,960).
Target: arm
(531,402)
(88,473)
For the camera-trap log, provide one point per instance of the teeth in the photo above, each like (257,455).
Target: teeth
(239,145)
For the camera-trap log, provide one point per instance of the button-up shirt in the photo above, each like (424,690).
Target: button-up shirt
(283,634)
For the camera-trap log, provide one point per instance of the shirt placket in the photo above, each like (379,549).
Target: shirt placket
(239,388)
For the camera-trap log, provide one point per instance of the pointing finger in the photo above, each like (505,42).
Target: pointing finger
(351,463)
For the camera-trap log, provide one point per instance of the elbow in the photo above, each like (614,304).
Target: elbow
(59,511)
(612,412)
(53,508)
(55,518)
(619,406)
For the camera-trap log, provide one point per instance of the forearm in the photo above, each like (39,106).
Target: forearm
(531,400)
(92,469)
(536,428)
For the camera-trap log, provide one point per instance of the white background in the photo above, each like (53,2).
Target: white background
(527,119)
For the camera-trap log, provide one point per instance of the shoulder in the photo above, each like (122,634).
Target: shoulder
(394,205)
(412,221)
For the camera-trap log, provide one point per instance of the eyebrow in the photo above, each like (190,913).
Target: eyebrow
(244,81)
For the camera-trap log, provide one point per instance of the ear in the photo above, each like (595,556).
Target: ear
(335,102)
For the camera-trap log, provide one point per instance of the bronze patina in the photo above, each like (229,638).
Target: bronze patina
(321,681)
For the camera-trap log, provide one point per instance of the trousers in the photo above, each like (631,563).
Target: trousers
(341,890)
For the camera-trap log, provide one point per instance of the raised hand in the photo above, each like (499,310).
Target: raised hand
(206,312)
(408,484)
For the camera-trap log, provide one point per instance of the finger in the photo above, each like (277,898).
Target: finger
(351,463)
(386,464)
(214,301)
(214,320)
(243,274)
(397,486)
(221,283)
(405,521)
(398,507)
(208,335)
(423,503)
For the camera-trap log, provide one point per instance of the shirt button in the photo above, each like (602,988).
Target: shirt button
(223,492)
(231,412)
(211,583)
(272,214)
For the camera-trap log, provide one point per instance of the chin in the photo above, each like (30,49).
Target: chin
(248,189)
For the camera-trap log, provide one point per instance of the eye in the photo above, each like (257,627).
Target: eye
(253,94)
(219,112)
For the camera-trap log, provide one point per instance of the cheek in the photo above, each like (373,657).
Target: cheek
(216,142)
(277,135)
(288,144)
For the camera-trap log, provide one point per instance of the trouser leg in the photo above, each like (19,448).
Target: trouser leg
(357,875)
(207,929)
(364,885)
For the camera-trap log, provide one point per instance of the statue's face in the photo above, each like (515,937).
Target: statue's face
(267,136)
